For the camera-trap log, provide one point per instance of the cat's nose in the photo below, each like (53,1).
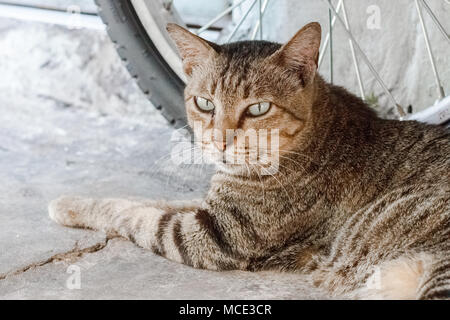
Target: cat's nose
(220,145)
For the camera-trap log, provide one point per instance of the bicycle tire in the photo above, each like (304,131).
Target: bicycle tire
(143,61)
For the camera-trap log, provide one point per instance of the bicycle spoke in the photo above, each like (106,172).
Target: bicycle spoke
(352,49)
(330,32)
(258,25)
(430,51)
(399,108)
(327,38)
(236,28)
(219,16)
(435,19)
(260,21)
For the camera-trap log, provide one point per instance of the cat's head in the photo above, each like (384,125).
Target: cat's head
(239,89)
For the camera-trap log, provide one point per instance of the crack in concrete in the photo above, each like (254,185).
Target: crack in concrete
(71,255)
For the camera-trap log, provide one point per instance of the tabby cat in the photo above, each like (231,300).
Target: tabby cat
(359,204)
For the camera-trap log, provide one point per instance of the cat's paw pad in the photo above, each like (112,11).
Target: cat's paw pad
(66,211)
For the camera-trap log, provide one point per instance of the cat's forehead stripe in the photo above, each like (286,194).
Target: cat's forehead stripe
(238,66)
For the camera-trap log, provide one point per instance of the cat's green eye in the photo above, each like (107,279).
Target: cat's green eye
(204,104)
(259,109)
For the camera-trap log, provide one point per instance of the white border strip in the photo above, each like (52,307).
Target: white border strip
(67,19)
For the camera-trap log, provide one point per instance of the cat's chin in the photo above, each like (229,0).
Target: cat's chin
(248,170)
(240,168)
(232,169)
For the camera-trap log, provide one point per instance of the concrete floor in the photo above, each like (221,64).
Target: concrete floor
(73,122)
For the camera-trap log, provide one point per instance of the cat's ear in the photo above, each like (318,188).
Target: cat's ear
(193,49)
(301,53)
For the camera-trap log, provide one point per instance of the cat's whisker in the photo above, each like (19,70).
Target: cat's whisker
(298,164)
(300,154)
(293,171)
(171,154)
(159,162)
(273,176)
(262,184)
(164,157)
(291,152)
(181,128)
(198,163)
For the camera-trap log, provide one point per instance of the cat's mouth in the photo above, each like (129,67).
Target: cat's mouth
(240,161)
(241,158)
(246,164)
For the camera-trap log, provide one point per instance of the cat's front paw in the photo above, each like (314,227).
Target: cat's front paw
(68,211)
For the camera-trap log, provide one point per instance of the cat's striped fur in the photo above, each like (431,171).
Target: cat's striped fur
(360,204)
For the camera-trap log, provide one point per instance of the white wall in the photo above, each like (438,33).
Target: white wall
(396,48)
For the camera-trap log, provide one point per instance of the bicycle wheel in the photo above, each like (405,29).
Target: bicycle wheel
(138,29)
(143,59)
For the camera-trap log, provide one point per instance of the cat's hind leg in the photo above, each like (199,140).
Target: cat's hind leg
(397,279)
(409,277)
(182,232)
(436,281)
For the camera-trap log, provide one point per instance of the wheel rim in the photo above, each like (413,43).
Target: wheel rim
(154,18)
